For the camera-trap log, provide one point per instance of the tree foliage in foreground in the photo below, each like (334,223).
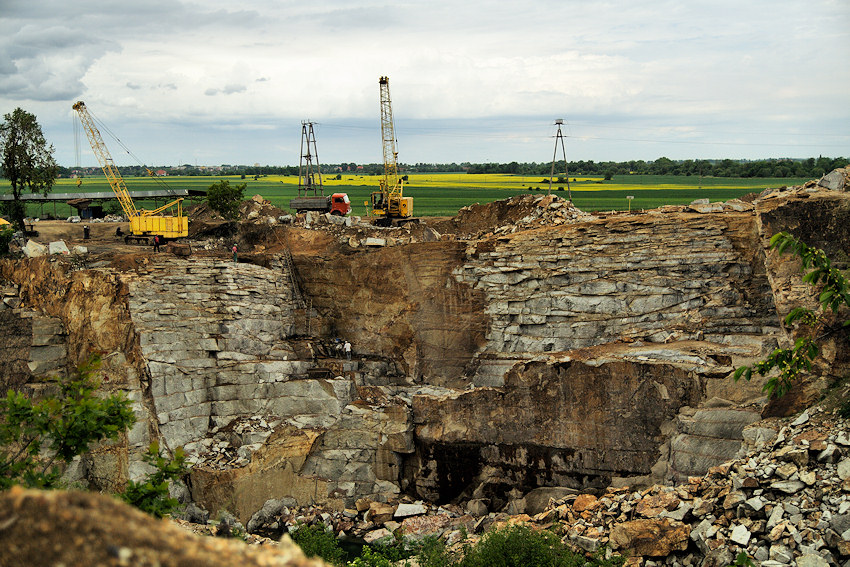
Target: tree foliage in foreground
(151,494)
(834,294)
(27,160)
(38,438)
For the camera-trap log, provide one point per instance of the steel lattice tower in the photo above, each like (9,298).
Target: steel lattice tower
(560,137)
(309,180)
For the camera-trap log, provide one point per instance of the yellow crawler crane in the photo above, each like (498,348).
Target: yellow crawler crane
(390,203)
(144,225)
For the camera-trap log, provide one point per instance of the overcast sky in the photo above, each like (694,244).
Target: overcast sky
(214,82)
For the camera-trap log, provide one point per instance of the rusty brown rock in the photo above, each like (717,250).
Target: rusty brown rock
(424,524)
(380,512)
(650,537)
(653,505)
(585,502)
(85,528)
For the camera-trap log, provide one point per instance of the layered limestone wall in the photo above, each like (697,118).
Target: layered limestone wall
(654,277)
(212,334)
(217,339)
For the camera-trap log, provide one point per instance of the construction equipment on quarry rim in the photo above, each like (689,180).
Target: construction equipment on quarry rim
(389,203)
(311,181)
(144,225)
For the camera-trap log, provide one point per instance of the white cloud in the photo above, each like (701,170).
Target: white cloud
(619,71)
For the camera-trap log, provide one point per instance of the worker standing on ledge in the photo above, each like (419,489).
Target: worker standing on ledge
(347,348)
(234,253)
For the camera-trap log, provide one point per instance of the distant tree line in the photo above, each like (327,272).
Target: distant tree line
(808,168)
(783,167)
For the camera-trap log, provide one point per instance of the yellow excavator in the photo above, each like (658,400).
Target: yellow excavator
(144,225)
(389,203)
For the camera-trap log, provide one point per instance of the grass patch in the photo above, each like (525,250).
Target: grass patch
(443,194)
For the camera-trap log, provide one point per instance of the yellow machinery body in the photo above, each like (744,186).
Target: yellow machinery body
(143,223)
(390,203)
(170,226)
(391,207)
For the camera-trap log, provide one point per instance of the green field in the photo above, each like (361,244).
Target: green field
(442,194)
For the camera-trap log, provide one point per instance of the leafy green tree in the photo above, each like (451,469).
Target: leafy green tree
(834,294)
(27,160)
(37,438)
(226,199)
(151,494)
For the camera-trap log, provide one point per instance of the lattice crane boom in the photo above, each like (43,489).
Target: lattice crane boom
(144,224)
(105,160)
(391,181)
(390,203)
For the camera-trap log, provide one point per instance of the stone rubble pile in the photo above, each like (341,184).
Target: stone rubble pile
(835,180)
(260,210)
(785,501)
(233,445)
(369,521)
(705,206)
(548,210)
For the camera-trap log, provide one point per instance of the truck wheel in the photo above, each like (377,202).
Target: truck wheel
(336,213)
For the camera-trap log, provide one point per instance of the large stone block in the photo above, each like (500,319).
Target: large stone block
(650,537)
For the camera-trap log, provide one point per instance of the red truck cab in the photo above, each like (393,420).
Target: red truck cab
(340,204)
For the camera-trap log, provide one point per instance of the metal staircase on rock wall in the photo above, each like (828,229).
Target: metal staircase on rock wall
(303,305)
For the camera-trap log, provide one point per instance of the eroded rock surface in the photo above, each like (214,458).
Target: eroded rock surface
(85,528)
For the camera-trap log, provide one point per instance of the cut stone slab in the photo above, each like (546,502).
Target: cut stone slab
(405,510)
(58,247)
(844,469)
(34,249)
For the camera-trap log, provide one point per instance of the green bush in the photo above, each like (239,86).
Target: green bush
(318,541)
(520,546)
(371,557)
(151,494)
(432,552)
(38,438)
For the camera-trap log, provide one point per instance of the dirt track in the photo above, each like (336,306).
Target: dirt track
(101,239)
(258,230)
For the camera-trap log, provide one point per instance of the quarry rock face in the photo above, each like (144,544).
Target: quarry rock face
(574,433)
(563,350)
(655,277)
